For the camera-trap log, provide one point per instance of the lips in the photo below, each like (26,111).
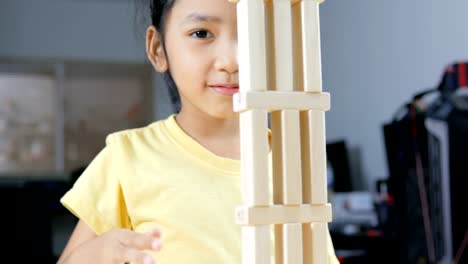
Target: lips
(226,90)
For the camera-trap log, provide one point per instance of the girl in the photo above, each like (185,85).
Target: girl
(176,180)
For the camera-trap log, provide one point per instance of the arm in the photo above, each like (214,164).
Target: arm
(81,234)
(117,245)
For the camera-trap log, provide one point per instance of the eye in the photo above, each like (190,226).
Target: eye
(201,34)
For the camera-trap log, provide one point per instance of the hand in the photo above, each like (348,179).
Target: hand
(122,246)
(117,246)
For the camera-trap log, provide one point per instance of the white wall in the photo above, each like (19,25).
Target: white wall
(82,29)
(376,54)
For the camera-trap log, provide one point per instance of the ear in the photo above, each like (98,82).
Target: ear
(155,50)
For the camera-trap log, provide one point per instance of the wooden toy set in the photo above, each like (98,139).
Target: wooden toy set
(280,73)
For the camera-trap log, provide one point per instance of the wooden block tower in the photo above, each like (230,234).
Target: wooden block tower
(280,73)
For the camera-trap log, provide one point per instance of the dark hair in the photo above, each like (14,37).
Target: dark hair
(159,10)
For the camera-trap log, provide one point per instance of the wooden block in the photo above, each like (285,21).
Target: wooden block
(277,156)
(283,214)
(253,124)
(313,154)
(307,243)
(279,240)
(277,153)
(318,157)
(283,45)
(292,1)
(251,45)
(253,127)
(298,67)
(256,242)
(305,157)
(292,234)
(254,157)
(255,182)
(290,133)
(281,100)
(292,177)
(270,47)
(319,243)
(311,40)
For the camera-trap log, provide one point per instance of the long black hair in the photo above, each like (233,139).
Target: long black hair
(158,11)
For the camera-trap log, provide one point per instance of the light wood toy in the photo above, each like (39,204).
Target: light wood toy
(280,72)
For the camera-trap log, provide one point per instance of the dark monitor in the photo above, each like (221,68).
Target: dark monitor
(338,161)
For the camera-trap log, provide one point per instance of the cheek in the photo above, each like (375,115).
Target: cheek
(188,65)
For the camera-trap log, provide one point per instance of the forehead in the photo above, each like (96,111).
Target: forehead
(204,10)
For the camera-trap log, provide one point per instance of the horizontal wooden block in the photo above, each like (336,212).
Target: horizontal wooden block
(292,1)
(282,214)
(278,100)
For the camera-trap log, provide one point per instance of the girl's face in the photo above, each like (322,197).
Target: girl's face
(201,46)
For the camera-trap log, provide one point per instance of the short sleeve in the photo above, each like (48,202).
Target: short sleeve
(332,259)
(96,197)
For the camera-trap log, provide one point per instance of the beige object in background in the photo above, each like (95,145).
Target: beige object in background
(279,58)
(27,123)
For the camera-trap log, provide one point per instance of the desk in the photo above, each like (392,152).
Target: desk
(27,209)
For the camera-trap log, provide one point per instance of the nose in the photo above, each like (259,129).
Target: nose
(226,59)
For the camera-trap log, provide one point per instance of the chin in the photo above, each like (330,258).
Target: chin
(225,114)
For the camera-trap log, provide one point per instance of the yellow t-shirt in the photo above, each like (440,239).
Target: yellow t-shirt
(158,176)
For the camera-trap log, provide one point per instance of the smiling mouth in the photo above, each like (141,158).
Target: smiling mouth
(226,90)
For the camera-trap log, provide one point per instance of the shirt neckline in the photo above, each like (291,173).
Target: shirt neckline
(197,151)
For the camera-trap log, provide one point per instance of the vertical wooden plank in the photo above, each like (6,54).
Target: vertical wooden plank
(270,44)
(311,40)
(298,67)
(319,243)
(275,121)
(254,248)
(290,128)
(307,243)
(253,127)
(313,83)
(313,134)
(254,158)
(251,45)
(277,179)
(283,44)
(305,158)
(292,177)
(318,159)
(292,234)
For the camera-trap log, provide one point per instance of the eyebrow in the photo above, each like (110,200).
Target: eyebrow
(196,17)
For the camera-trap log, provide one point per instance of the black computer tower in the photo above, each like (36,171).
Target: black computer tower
(436,134)
(403,183)
(447,128)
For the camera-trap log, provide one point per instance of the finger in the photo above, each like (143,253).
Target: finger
(156,233)
(140,241)
(133,255)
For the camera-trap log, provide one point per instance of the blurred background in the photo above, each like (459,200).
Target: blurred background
(72,72)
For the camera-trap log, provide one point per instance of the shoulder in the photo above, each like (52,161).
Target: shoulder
(150,135)
(127,136)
